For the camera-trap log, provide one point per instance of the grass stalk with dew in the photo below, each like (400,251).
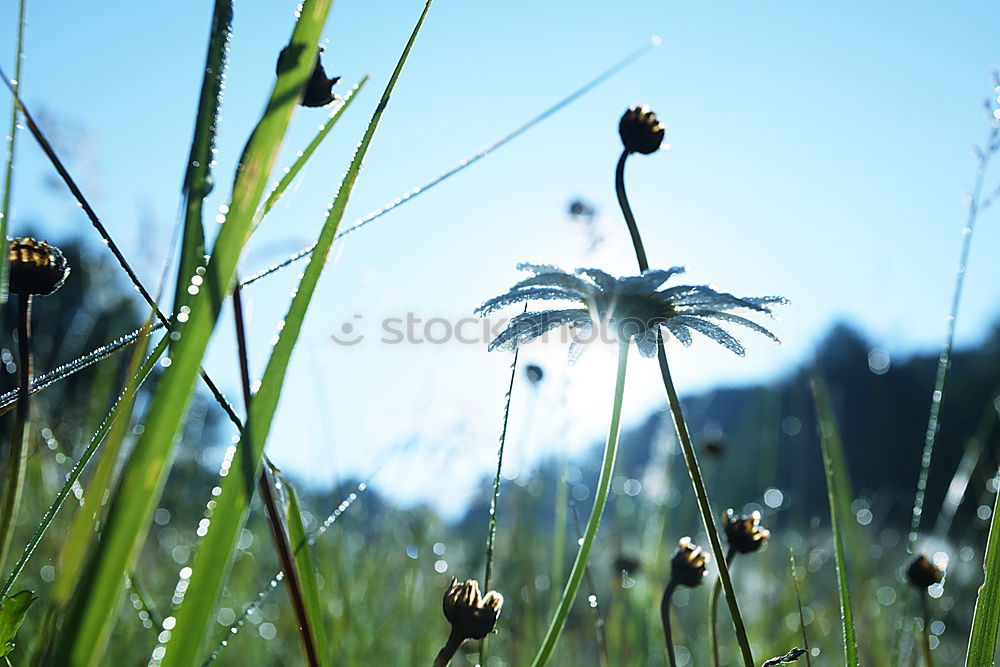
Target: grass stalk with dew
(491,533)
(798,606)
(590,533)
(986,617)
(839,511)
(213,557)
(78,540)
(198,178)
(975,205)
(600,624)
(266,489)
(305,569)
(99,594)
(642,133)
(8,179)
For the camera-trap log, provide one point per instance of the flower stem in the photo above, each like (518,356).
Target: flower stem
(491,534)
(668,592)
(448,651)
(633,229)
(690,458)
(600,497)
(926,634)
(713,612)
(265,486)
(18,454)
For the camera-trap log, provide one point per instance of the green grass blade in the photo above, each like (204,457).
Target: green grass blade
(12,613)
(8,181)
(833,464)
(983,636)
(198,177)
(304,156)
(98,597)
(213,558)
(73,553)
(123,404)
(306,569)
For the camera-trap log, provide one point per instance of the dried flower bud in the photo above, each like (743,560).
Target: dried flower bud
(319,91)
(790,657)
(689,564)
(472,615)
(922,573)
(534,373)
(35,267)
(744,532)
(640,131)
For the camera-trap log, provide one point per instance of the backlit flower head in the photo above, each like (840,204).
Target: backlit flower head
(744,533)
(631,307)
(319,90)
(640,131)
(689,564)
(471,614)
(35,266)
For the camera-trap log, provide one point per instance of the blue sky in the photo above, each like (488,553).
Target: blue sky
(817,151)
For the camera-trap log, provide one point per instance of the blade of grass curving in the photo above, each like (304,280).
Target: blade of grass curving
(8,181)
(983,157)
(198,175)
(99,594)
(122,404)
(303,157)
(471,160)
(830,445)
(306,570)
(213,557)
(986,617)
(586,544)
(82,528)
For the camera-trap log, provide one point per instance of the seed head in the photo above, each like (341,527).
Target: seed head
(922,573)
(471,614)
(35,267)
(640,131)
(689,564)
(744,533)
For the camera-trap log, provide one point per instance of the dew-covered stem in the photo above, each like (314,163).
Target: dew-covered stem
(713,613)
(600,497)
(491,534)
(684,437)
(944,360)
(17,454)
(668,638)
(798,603)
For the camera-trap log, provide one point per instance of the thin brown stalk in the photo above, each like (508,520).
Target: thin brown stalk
(798,602)
(713,613)
(18,453)
(448,651)
(265,485)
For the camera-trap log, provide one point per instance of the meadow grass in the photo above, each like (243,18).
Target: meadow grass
(115,589)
